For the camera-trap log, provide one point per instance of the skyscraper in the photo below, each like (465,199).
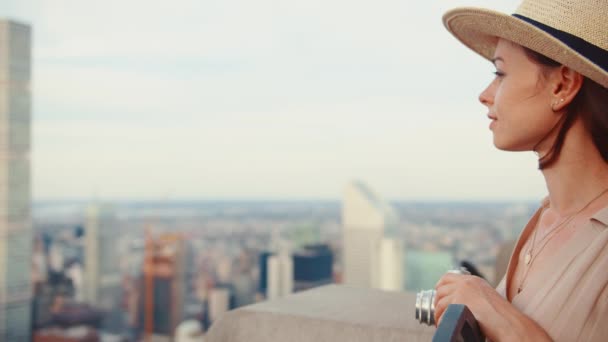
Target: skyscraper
(219,302)
(15,221)
(370,258)
(164,285)
(280,274)
(312,267)
(101,260)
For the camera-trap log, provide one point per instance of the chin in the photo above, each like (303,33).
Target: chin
(502,148)
(510,146)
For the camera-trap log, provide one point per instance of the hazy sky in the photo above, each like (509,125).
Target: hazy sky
(264,98)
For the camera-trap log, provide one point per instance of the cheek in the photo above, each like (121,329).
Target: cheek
(505,98)
(523,120)
(519,103)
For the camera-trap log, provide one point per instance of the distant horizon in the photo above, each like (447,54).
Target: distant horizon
(74,200)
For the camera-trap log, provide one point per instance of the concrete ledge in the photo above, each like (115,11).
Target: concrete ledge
(329,313)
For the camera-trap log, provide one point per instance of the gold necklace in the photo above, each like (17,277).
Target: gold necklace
(529,257)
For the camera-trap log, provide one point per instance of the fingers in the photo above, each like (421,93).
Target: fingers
(440,306)
(445,294)
(445,290)
(470,280)
(443,298)
(449,278)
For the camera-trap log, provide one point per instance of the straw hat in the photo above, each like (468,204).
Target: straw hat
(572,32)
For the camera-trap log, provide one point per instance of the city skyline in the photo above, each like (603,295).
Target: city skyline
(283,101)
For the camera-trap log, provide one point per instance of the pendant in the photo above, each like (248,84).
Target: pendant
(519,289)
(527,258)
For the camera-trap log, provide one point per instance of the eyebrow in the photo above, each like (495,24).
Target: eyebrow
(495,59)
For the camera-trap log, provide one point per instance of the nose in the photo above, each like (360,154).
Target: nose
(487,95)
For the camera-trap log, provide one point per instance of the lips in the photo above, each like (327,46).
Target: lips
(493,118)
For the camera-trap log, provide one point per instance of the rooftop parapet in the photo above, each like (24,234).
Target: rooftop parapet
(330,313)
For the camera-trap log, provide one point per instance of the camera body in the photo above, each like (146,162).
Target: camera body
(425,302)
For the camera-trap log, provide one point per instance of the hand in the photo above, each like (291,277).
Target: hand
(497,318)
(472,291)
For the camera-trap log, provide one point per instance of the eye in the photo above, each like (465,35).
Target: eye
(499,74)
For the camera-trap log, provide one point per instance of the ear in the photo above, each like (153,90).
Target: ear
(567,83)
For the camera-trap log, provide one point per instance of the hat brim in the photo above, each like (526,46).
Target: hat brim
(479,29)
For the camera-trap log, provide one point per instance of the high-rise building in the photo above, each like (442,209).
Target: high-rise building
(219,302)
(312,267)
(370,259)
(15,194)
(280,274)
(263,266)
(391,265)
(101,258)
(164,285)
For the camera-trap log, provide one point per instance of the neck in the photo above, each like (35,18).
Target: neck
(578,175)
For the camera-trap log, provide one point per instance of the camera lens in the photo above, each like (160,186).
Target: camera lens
(425,302)
(425,307)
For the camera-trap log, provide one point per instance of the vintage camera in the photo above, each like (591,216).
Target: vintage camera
(425,302)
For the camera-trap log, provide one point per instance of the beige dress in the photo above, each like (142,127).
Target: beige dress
(569,297)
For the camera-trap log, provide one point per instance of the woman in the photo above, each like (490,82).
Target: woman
(549,96)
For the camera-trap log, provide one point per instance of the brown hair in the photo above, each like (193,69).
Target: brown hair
(591,104)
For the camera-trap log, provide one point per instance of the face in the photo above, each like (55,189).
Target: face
(519,101)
